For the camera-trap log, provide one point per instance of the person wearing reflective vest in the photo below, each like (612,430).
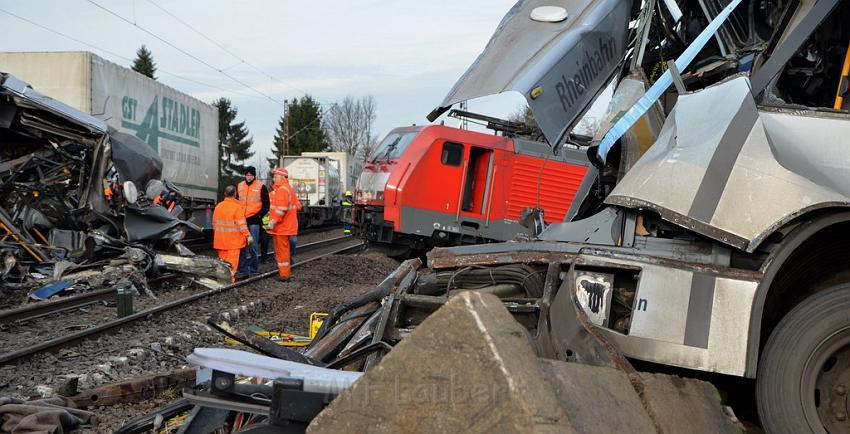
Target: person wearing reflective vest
(347,203)
(230,231)
(293,237)
(254,197)
(281,214)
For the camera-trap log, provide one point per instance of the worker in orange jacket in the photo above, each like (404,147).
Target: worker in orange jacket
(254,197)
(293,237)
(230,231)
(283,212)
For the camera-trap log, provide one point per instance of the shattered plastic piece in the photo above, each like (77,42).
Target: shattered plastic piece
(44,391)
(183,250)
(315,379)
(206,282)
(50,290)
(61,267)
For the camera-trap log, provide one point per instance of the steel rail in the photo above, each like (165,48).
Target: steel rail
(39,309)
(115,325)
(43,308)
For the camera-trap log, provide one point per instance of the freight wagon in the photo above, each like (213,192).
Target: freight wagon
(316,182)
(434,185)
(182,129)
(349,167)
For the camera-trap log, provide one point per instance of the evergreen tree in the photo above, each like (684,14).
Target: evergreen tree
(234,145)
(144,63)
(305,130)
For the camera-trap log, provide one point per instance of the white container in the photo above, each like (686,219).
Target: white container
(314,179)
(182,129)
(349,167)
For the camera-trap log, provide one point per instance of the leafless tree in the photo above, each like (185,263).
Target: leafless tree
(349,125)
(588,126)
(524,115)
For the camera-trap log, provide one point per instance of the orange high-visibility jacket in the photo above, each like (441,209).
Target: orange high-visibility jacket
(283,210)
(293,196)
(249,197)
(230,229)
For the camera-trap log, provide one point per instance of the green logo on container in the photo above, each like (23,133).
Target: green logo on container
(164,118)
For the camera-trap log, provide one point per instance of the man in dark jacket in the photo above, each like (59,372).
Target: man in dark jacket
(254,197)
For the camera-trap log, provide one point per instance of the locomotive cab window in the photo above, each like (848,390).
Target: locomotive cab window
(452,154)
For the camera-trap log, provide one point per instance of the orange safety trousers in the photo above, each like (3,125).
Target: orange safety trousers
(281,254)
(231,256)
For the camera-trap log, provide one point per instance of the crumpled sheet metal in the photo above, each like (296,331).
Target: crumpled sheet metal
(154,223)
(558,67)
(54,166)
(197,265)
(134,159)
(743,172)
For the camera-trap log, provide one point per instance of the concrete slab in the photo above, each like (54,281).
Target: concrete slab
(679,404)
(467,368)
(597,399)
(470,368)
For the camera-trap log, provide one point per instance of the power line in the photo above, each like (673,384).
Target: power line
(223,48)
(312,122)
(199,60)
(101,49)
(64,35)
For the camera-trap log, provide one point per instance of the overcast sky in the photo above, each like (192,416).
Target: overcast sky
(407,54)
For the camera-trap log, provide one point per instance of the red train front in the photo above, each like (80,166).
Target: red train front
(435,185)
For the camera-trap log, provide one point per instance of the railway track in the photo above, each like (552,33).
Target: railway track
(327,247)
(201,244)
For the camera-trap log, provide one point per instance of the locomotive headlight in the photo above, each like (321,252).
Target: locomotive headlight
(379,195)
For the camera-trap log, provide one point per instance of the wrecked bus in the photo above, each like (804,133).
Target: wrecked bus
(182,130)
(711,233)
(78,201)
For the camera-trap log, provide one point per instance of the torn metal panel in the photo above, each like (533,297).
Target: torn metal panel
(502,253)
(154,223)
(740,174)
(570,336)
(198,266)
(559,67)
(134,159)
(26,96)
(681,314)
(605,228)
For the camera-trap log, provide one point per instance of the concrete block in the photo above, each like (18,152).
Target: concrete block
(467,368)
(597,399)
(683,404)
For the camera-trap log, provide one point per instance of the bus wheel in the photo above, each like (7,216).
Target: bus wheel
(803,381)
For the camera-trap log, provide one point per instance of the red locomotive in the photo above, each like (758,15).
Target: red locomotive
(434,185)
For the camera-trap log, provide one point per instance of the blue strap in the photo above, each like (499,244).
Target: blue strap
(654,92)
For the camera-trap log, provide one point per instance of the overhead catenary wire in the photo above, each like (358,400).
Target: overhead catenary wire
(316,119)
(104,50)
(222,47)
(190,55)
